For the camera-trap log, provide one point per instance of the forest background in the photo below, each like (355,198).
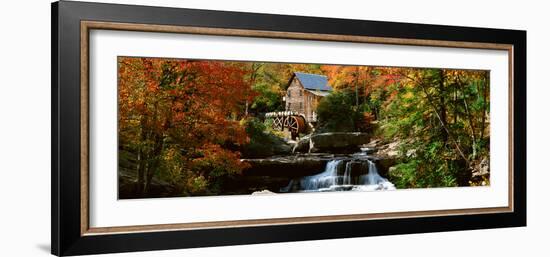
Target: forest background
(188,123)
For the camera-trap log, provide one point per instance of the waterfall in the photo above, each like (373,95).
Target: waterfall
(324,180)
(347,174)
(373,180)
(333,179)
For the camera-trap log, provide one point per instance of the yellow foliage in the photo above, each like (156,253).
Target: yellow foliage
(408,95)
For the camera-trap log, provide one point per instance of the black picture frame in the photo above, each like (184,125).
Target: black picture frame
(66,235)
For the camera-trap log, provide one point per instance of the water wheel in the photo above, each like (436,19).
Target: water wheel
(296,125)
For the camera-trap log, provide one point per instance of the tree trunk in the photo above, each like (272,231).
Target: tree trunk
(142,159)
(442,107)
(356,86)
(154,163)
(455,102)
(484,115)
(432,103)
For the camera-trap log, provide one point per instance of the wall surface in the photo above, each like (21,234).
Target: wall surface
(25,128)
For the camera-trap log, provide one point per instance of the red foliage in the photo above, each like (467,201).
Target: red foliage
(193,104)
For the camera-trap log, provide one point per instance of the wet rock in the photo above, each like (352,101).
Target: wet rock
(285,166)
(368,150)
(391,149)
(356,168)
(384,164)
(302,146)
(282,148)
(337,142)
(265,146)
(375,143)
(482,169)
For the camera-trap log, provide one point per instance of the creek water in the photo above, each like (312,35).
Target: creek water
(342,175)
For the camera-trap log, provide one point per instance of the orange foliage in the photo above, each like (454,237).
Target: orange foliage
(193,105)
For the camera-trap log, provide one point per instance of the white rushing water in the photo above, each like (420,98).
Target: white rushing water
(326,179)
(337,177)
(373,181)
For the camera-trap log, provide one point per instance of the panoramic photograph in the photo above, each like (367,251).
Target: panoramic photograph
(189,127)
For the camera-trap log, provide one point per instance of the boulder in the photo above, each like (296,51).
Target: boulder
(384,164)
(480,173)
(265,146)
(390,149)
(337,142)
(483,169)
(302,146)
(282,148)
(285,166)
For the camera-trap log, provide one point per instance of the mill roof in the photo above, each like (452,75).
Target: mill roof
(318,92)
(313,81)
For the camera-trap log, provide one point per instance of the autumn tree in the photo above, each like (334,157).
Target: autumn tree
(179,118)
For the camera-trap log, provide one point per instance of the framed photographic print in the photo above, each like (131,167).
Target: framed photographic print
(178,128)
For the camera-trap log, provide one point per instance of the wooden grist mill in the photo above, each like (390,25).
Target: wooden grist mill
(294,122)
(303,94)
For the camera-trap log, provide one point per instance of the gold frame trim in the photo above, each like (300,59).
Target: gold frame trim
(86,26)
